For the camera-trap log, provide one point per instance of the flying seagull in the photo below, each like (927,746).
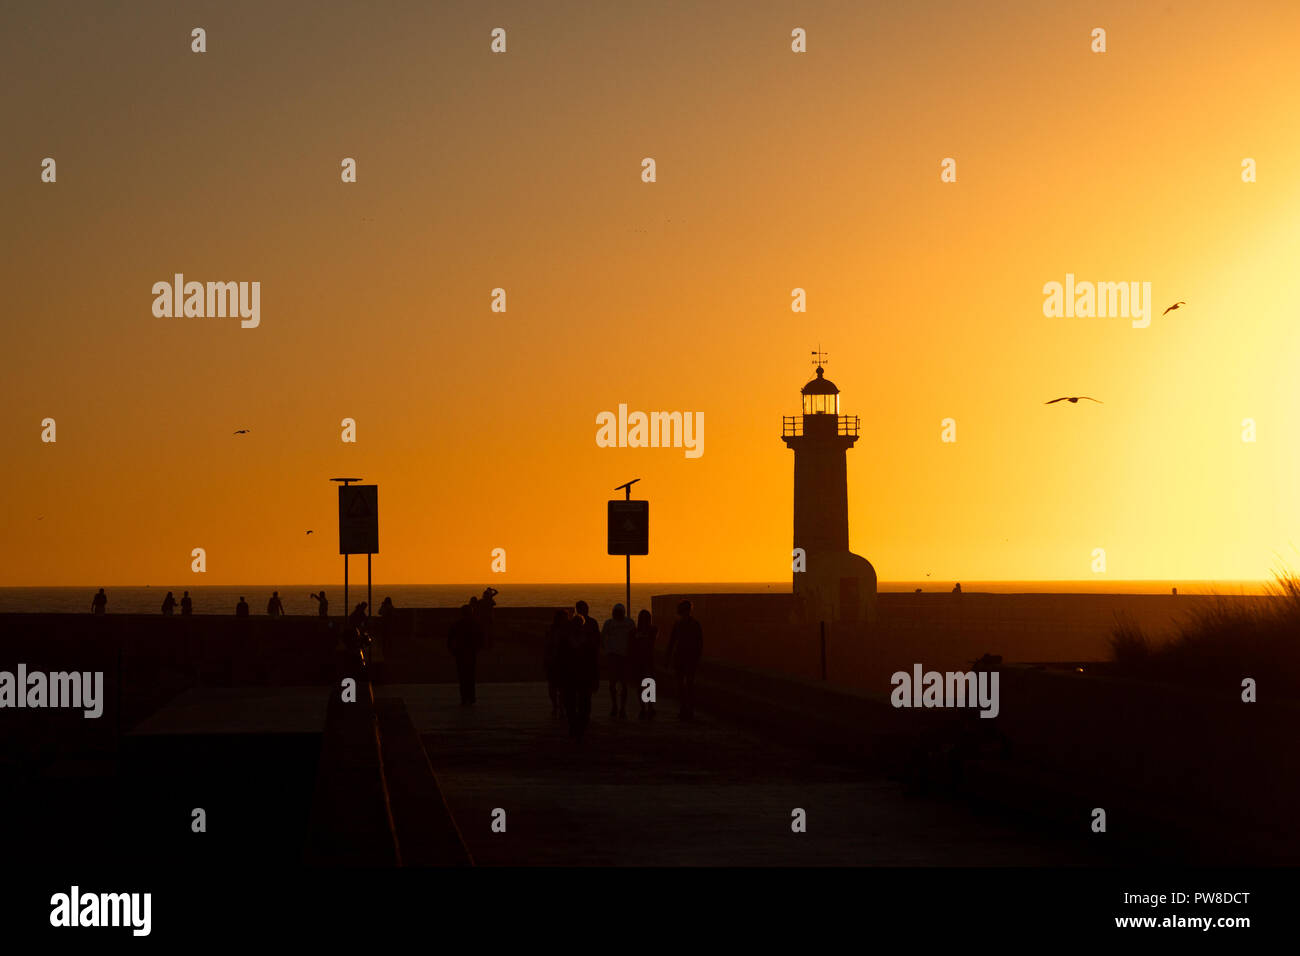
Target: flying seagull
(1172,307)
(309,532)
(1074,399)
(242,431)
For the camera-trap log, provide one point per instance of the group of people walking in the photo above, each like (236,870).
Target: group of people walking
(572,656)
(575,648)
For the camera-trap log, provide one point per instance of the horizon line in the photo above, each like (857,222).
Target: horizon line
(784,582)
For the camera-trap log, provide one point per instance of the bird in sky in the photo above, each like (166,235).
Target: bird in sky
(242,431)
(1172,307)
(309,532)
(1074,399)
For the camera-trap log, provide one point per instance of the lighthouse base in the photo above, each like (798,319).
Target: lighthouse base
(838,586)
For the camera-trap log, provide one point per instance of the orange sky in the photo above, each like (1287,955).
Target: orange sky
(522,170)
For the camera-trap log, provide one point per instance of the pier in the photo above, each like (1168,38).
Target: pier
(243,719)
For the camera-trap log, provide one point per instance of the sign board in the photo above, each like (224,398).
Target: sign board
(358,519)
(629,527)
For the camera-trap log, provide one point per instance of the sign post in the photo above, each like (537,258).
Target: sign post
(358,529)
(628,531)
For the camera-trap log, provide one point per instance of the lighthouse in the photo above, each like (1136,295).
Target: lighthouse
(835,584)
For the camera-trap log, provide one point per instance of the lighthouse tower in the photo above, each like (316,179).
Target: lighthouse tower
(836,584)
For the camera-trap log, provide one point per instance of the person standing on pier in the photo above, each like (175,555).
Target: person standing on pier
(241,609)
(99,603)
(583,620)
(641,660)
(580,665)
(688,641)
(324,609)
(273,607)
(617,636)
(168,605)
(187,606)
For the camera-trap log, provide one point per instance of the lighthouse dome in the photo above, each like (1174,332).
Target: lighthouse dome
(821,385)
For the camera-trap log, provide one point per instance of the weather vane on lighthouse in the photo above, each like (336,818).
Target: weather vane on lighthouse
(819,357)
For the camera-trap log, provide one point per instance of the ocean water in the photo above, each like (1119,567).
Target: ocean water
(221,599)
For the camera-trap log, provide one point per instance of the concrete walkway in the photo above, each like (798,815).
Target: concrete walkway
(667,793)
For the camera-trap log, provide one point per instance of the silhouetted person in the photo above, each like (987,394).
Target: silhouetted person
(386,609)
(357,619)
(187,606)
(617,638)
(463,642)
(99,603)
(241,609)
(688,641)
(591,630)
(323,603)
(168,605)
(556,636)
(956,588)
(641,660)
(273,607)
(580,667)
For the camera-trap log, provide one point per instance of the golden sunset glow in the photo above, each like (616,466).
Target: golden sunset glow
(774,172)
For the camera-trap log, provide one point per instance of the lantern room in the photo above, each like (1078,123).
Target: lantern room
(820,396)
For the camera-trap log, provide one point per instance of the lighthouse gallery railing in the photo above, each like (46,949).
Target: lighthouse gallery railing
(792,425)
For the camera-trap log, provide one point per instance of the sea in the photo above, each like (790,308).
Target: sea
(221,599)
